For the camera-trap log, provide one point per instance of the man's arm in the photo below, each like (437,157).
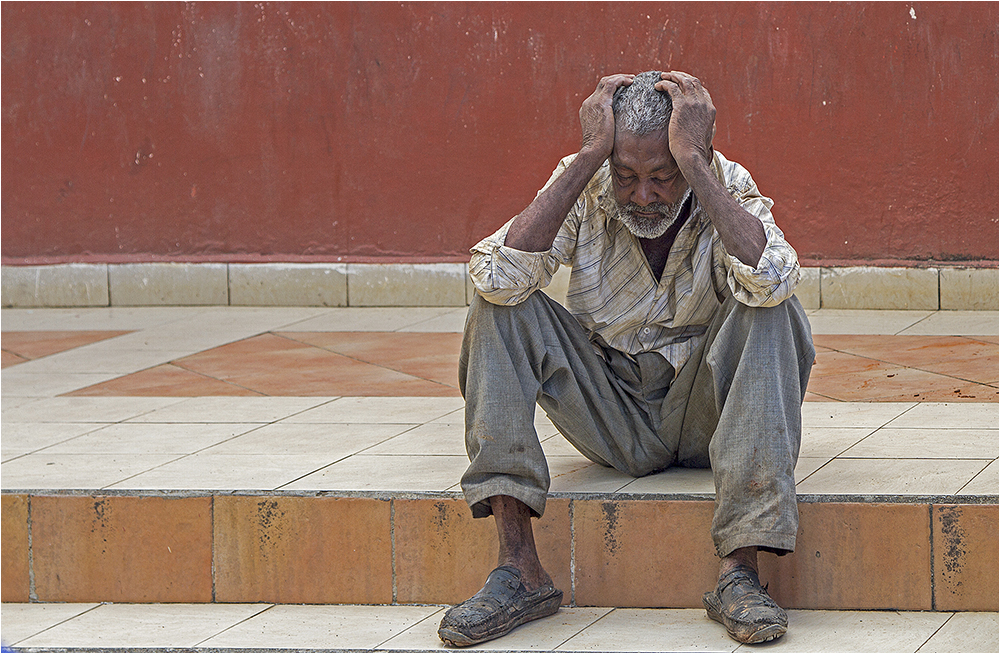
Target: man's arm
(535,228)
(692,126)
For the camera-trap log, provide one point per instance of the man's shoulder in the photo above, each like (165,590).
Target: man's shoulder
(733,175)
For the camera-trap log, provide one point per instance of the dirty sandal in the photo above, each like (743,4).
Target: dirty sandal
(502,604)
(745,608)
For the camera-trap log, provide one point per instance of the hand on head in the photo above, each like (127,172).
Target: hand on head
(596,117)
(692,123)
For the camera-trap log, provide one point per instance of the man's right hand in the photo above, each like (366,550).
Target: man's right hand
(597,119)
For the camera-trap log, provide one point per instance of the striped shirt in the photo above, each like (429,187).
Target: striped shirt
(612,290)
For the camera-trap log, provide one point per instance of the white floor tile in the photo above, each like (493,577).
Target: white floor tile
(403,410)
(232,409)
(578,474)
(892,477)
(106,357)
(93,319)
(144,625)
(674,480)
(367,319)
(950,415)
(956,323)
(858,321)
(556,444)
(207,471)
(75,471)
(541,635)
(86,409)
(928,443)
(386,473)
(806,466)
(452,322)
(830,441)
(18,383)
(20,621)
(23,437)
(652,630)
(321,627)
(433,438)
(327,441)
(986,482)
(966,632)
(128,437)
(851,414)
(854,631)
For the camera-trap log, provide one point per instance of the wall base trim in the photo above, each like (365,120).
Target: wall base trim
(435,285)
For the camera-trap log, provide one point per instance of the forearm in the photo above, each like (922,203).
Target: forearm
(535,228)
(741,232)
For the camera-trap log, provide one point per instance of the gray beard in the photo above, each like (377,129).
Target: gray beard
(644,227)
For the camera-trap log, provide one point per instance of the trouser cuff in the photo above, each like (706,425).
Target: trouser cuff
(779,543)
(479,495)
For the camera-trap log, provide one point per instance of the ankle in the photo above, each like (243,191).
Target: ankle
(744,556)
(533,575)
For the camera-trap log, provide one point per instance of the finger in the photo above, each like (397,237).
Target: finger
(685,81)
(611,83)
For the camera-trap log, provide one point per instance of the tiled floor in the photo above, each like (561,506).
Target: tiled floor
(311,399)
(901,404)
(264,627)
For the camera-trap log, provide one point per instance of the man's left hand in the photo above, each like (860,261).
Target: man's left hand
(692,122)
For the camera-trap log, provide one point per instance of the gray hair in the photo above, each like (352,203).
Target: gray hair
(639,108)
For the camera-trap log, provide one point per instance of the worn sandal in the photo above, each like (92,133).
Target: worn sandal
(745,608)
(502,604)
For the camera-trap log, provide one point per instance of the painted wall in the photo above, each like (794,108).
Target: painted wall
(406,132)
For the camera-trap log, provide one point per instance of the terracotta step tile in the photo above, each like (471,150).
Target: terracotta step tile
(165,381)
(965,558)
(841,555)
(443,555)
(643,553)
(15,573)
(33,345)
(122,549)
(294,550)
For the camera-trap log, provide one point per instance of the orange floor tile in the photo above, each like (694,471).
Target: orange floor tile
(25,346)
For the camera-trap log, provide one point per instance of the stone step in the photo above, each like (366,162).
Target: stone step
(614,549)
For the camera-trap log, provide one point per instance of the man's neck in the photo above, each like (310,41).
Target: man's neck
(658,249)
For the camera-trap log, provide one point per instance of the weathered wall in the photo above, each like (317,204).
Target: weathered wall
(388,132)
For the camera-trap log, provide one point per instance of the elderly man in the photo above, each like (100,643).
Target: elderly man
(680,345)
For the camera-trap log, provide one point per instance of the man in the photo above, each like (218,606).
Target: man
(682,345)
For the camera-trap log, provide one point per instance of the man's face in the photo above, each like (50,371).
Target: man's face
(648,186)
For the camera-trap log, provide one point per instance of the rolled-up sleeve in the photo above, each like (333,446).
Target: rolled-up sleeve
(777,273)
(503,275)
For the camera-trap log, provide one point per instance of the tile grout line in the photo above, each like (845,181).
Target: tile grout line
(268,607)
(211,537)
(930,517)
(572,553)
(32,591)
(936,632)
(392,542)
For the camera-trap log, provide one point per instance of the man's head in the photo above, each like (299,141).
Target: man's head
(649,190)
(639,108)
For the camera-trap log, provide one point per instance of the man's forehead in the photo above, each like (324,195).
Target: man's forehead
(646,153)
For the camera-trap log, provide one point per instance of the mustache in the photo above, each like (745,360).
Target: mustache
(653,207)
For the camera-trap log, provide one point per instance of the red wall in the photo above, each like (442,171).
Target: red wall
(386,131)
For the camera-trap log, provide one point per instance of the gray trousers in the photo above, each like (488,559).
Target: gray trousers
(735,406)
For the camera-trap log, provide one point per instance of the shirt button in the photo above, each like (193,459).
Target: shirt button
(646,330)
